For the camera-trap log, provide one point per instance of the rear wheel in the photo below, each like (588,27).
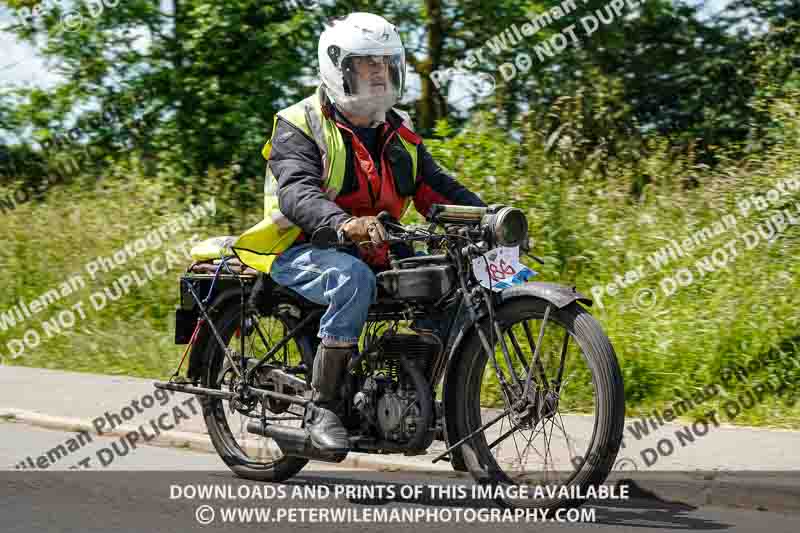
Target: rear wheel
(566,431)
(249,455)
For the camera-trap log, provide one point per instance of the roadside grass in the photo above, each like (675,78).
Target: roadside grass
(589,230)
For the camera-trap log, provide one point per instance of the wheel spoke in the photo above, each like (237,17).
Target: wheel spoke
(507,356)
(233,422)
(533,447)
(508,398)
(519,457)
(570,447)
(529,445)
(251,348)
(565,382)
(518,350)
(502,436)
(557,384)
(550,441)
(568,386)
(547,452)
(536,354)
(285,348)
(534,350)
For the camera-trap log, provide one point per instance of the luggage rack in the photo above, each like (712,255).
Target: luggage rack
(232,264)
(207,278)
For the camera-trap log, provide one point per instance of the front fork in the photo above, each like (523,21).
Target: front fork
(518,392)
(520,402)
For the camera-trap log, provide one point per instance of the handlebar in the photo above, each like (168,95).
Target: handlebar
(328,237)
(384,217)
(463,217)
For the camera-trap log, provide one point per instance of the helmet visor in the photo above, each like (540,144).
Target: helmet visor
(374,75)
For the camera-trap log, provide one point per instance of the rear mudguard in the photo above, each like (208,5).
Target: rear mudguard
(199,352)
(558,295)
(262,295)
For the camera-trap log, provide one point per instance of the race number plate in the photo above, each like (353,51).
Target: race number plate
(500,268)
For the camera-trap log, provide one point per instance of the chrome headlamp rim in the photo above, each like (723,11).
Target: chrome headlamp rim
(507,226)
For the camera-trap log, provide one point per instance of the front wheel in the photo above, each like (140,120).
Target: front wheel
(565,423)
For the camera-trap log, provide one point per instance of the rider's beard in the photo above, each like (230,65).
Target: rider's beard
(371,106)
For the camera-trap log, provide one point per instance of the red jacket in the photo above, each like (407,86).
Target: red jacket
(296,163)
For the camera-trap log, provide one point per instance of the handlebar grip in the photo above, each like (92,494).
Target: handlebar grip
(384,217)
(325,237)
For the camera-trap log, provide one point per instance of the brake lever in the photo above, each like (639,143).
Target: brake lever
(384,217)
(388,221)
(535,258)
(325,237)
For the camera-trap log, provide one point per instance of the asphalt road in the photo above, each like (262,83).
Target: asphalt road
(145,491)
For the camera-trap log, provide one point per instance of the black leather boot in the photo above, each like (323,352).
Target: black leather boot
(322,423)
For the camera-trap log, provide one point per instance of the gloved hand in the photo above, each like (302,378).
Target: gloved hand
(359,229)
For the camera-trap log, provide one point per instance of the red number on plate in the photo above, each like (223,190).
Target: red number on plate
(499,274)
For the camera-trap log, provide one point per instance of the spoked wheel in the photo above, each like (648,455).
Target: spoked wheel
(249,455)
(566,430)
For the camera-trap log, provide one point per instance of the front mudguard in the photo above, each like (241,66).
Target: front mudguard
(558,295)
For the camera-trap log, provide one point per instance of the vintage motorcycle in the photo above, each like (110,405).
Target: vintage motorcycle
(510,369)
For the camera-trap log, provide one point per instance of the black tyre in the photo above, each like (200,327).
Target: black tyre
(575,374)
(249,455)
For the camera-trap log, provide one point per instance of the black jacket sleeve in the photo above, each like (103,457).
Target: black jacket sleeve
(434,185)
(296,162)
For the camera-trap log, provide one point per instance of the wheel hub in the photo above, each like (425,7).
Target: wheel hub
(539,405)
(243,402)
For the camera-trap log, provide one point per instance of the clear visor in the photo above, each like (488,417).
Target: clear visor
(374,75)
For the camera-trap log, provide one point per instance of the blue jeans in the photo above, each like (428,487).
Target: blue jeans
(340,280)
(331,277)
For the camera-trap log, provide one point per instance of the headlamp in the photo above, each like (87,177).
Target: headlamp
(506,226)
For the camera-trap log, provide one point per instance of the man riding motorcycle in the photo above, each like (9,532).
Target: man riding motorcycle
(339,158)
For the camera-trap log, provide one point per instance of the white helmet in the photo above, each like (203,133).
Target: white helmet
(366,42)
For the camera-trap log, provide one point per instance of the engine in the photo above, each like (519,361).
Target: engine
(390,399)
(391,410)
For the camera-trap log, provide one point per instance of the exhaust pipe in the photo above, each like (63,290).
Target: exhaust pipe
(294,441)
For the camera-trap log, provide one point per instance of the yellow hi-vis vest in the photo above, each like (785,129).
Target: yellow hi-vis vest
(260,245)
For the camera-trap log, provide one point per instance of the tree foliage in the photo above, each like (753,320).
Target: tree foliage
(196,86)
